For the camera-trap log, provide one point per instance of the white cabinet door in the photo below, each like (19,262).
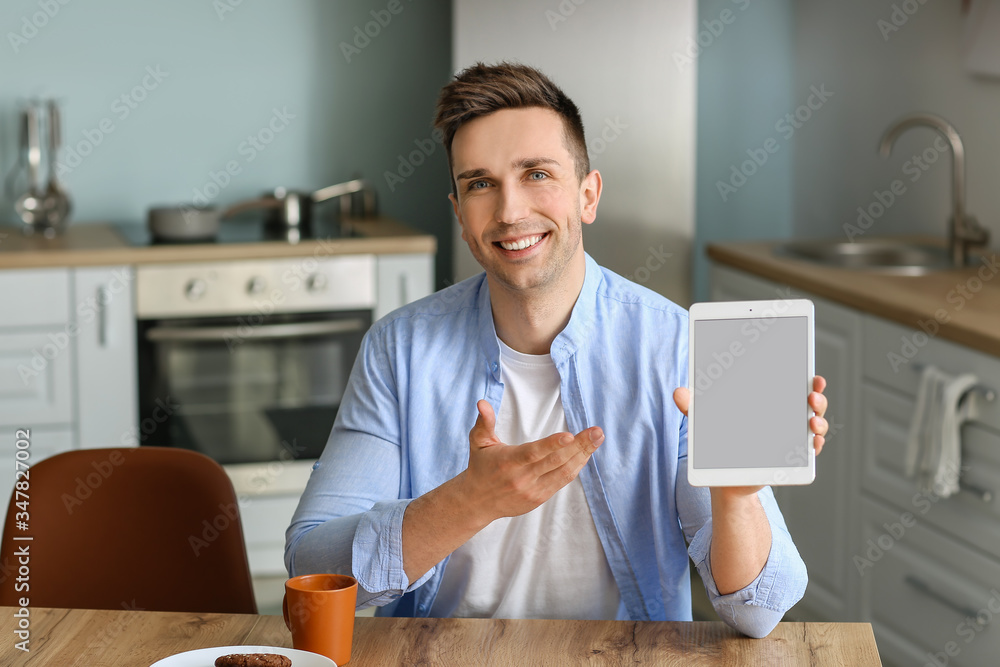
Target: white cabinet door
(34,297)
(823,516)
(35,377)
(402,279)
(106,359)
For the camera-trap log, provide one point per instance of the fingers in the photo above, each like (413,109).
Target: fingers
(557,450)
(682,397)
(483,432)
(817,401)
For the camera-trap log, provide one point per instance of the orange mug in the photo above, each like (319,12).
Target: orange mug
(319,610)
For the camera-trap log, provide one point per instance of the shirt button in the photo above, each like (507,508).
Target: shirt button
(496,367)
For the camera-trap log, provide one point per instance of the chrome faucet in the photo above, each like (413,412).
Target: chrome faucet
(964,230)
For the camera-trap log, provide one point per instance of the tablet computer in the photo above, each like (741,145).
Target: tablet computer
(751,369)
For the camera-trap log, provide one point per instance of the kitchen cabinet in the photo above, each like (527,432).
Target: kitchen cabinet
(106,360)
(401,279)
(820,516)
(924,570)
(67,359)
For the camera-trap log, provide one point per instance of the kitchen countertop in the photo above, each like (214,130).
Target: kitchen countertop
(100,244)
(966,302)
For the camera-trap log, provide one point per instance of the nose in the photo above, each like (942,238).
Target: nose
(512,205)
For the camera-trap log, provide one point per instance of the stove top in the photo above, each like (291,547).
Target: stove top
(237,230)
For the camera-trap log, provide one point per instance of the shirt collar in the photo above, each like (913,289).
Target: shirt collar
(577,330)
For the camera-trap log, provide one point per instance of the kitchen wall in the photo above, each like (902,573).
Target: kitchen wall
(159,97)
(847,69)
(881,65)
(745,62)
(616,61)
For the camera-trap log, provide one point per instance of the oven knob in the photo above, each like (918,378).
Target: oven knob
(316,282)
(256,285)
(195,289)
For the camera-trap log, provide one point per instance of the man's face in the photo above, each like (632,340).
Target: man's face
(520,203)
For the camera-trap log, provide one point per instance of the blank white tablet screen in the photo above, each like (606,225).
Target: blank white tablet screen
(750,383)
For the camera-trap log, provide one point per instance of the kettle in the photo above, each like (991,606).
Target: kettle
(291,215)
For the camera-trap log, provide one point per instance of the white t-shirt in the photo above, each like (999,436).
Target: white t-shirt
(548,563)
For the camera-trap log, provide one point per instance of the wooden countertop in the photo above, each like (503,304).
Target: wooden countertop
(137,638)
(966,302)
(100,244)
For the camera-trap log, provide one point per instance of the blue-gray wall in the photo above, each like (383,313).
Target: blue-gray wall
(223,75)
(745,87)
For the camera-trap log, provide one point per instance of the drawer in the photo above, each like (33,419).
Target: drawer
(892,353)
(34,297)
(35,372)
(926,595)
(968,514)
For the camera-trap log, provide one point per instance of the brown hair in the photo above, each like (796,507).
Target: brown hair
(481,89)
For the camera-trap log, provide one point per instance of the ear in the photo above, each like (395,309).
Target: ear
(590,195)
(458,214)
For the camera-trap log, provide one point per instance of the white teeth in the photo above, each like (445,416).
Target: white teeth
(522,244)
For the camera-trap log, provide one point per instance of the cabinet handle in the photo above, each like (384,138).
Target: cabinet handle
(404,295)
(103,299)
(985,495)
(924,588)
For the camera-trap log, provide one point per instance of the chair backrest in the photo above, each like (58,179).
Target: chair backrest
(152,528)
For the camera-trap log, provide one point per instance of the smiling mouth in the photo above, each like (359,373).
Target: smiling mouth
(521,244)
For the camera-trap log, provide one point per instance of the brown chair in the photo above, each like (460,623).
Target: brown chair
(151,528)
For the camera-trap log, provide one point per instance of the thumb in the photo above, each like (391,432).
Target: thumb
(682,397)
(482,434)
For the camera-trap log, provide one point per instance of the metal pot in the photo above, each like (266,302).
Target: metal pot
(292,210)
(183,223)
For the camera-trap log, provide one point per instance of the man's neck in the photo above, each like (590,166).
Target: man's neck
(528,321)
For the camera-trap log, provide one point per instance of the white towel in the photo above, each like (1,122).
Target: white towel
(934,445)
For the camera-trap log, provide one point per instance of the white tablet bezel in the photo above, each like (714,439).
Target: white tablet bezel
(762,311)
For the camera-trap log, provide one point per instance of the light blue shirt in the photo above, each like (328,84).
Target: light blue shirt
(403,430)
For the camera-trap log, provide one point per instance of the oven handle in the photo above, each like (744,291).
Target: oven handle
(260,332)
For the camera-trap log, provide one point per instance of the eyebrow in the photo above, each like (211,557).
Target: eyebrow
(523,163)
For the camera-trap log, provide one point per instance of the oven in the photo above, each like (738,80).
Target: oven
(247,361)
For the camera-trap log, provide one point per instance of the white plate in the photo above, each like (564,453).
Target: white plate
(205,657)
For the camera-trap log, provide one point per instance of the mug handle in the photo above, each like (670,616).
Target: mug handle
(284,611)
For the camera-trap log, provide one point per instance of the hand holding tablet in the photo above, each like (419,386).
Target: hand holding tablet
(751,371)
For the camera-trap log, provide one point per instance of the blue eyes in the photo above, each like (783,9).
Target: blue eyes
(482,185)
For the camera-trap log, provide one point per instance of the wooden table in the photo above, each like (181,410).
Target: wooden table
(138,638)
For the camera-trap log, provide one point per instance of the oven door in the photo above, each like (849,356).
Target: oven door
(246,389)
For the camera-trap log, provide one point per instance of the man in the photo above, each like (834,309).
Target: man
(435,520)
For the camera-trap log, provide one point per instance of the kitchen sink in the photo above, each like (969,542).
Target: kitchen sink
(882,255)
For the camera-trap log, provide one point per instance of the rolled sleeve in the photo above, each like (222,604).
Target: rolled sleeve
(758,607)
